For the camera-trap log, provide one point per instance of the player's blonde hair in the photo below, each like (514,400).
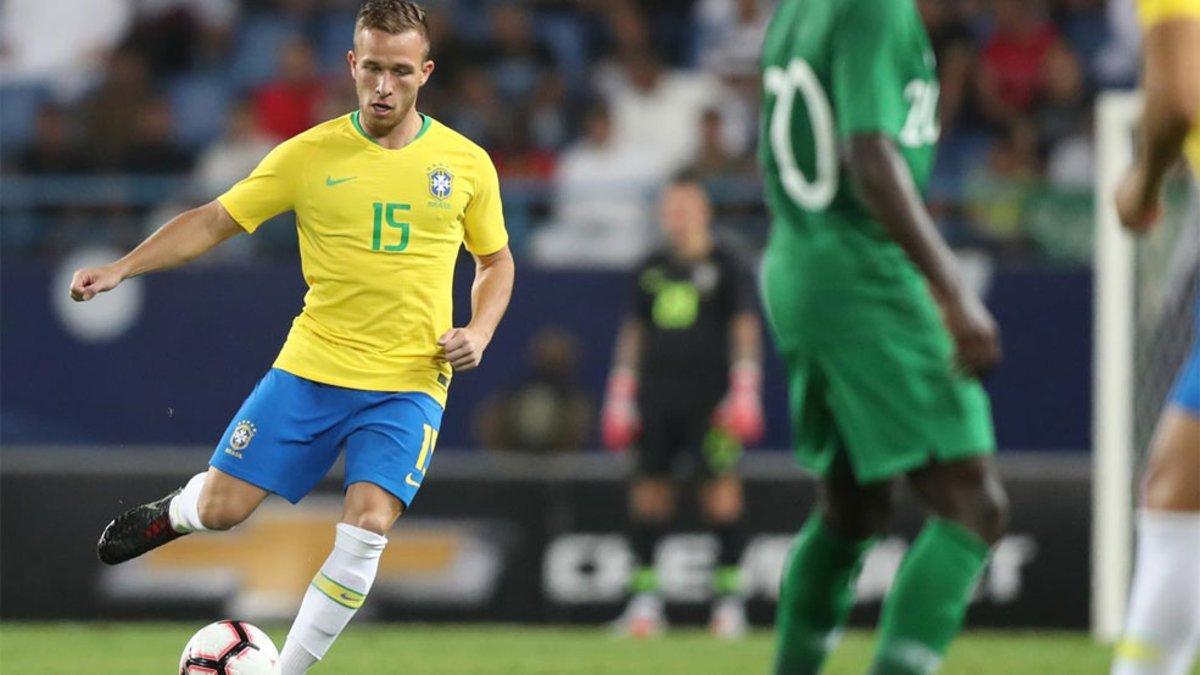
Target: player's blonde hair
(393,16)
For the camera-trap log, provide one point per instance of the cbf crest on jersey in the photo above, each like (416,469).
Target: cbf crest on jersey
(441,182)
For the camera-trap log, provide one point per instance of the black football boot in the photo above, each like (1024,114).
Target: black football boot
(138,530)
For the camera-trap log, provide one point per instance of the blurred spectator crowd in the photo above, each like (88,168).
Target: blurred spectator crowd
(138,108)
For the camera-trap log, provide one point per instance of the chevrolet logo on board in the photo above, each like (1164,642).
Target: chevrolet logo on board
(262,567)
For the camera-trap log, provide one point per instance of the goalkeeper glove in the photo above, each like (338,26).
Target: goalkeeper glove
(740,413)
(620,421)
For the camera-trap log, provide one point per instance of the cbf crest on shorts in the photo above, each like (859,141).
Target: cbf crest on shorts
(242,434)
(441,182)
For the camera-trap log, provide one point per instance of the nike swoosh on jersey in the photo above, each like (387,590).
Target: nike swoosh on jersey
(330,181)
(409,479)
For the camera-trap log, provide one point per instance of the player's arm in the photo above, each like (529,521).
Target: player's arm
(627,353)
(1171,84)
(745,345)
(886,185)
(184,238)
(490,293)
(871,108)
(620,421)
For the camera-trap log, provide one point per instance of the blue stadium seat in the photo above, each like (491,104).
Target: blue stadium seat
(261,38)
(199,104)
(958,154)
(334,38)
(567,41)
(471,20)
(19,104)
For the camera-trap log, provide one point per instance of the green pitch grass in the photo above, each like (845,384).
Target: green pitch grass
(152,649)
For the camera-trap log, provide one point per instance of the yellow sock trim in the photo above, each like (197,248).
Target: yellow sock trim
(346,597)
(1133,650)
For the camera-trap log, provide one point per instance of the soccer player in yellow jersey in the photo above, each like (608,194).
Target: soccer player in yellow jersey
(1162,628)
(384,197)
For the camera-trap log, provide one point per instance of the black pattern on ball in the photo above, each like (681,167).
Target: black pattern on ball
(218,665)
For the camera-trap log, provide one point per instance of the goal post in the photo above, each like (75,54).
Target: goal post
(1113,449)
(1145,299)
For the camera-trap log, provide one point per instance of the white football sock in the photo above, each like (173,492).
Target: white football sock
(294,659)
(1162,628)
(184,509)
(333,597)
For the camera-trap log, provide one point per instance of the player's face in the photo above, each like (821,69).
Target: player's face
(685,214)
(388,71)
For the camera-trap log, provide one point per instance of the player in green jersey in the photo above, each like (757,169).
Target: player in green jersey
(884,342)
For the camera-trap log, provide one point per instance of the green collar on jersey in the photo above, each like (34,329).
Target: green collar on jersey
(425,121)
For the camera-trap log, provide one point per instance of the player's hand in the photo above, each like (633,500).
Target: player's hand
(1137,201)
(463,347)
(89,281)
(976,336)
(740,413)
(620,422)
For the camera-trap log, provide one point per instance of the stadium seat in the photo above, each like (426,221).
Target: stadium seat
(334,38)
(199,105)
(957,156)
(566,40)
(261,38)
(19,104)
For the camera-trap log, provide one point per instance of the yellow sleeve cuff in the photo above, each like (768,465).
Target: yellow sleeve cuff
(247,224)
(1154,12)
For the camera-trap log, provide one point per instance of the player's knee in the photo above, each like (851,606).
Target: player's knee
(652,511)
(984,511)
(1164,489)
(651,501)
(1172,478)
(722,504)
(378,521)
(218,514)
(1157,488)
(993,516)
(723,511)
(859,514)
(864,520)
(371,508)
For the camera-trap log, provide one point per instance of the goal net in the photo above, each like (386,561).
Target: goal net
(1144,322)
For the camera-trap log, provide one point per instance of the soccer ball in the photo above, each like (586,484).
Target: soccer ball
(229,648)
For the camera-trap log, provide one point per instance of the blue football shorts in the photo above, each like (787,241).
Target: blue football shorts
(1186,392)
(290,431)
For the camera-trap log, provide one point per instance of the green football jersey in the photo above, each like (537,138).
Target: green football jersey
(870,364)
(832,69)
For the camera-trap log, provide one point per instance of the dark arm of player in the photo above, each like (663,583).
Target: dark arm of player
(1172,105)
(884,182)
(745,345)
(184,238)
(627,354)
(490,293)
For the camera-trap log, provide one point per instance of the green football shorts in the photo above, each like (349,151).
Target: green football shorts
(870,364)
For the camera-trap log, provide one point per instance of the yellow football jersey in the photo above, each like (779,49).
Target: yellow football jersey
(1154,12)
(380,232)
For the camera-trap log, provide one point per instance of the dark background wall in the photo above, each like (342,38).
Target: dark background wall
(494,538)
(204,335)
